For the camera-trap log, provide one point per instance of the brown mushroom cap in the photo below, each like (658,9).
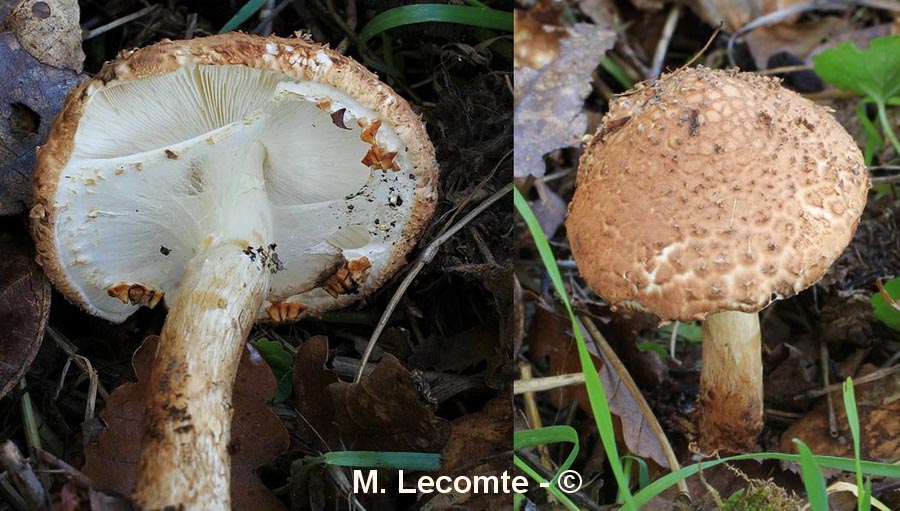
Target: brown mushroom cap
(710,190)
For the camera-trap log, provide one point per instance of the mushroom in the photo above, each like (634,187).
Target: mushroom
(234,178)
(706,195)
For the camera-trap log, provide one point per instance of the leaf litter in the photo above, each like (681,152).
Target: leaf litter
(258,436)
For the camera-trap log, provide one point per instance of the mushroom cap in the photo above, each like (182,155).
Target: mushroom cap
(709,191)
(133,179)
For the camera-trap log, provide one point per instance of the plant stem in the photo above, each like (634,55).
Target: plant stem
(886,127)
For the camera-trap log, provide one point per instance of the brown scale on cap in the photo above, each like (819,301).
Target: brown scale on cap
(136,294)
(285,311)
(348,277)
(377,157)
(699,194)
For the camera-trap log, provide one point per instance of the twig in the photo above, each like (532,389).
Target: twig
(8,491)
(659,56)
(267,21)
(672,340)
(266,18)
(424,258)
(832,420)
(784,69)
(22,475)
(534,422)
(525,386)
(191,26)
(619,369)
(73,473)
(775,17)
(88,34)
(86,367)
(873,376)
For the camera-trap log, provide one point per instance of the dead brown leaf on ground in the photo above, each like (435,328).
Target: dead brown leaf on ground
(24,306)
(479,445)
(549,101)
(385,412)
(257,434)
(31,93)
(878,405)
(49,30)
(551,340)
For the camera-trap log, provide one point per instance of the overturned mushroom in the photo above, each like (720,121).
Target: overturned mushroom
(233,178)
(705,196)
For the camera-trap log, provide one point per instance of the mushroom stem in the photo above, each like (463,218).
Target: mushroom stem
(185,449)
(731,383)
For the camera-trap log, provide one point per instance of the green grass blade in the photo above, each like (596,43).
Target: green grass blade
(610,66)
(556,492)
(372,459)
(813,480)
(853,421)
(596,394)
(244,13)
(872,468)
(423,13)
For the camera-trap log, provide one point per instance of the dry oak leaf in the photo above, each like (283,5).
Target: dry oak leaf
(878,405)
(49,30)
(551,340)
(479,445)
(385,412)
(257,435)
(24,306)
(31,94)
(549,101)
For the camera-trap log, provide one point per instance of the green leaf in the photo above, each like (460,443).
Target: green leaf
(885,311)
(691,332)
(282,364)
(813,480)
(874,72)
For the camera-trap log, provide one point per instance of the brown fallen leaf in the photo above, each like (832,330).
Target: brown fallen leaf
(878,406)
(49,30)
(311,379)
(31,93)
(551,340)
(385,412)
(549,101)
(479,445)
(24,305)
(258,436)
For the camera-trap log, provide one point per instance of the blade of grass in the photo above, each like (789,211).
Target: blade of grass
(596,393)
(610,66)
(373,459)
(863,498)
(660,485)
(244,13)
(813,479)
(423,13)
(556,492)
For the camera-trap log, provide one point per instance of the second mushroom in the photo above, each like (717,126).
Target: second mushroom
(706,195)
